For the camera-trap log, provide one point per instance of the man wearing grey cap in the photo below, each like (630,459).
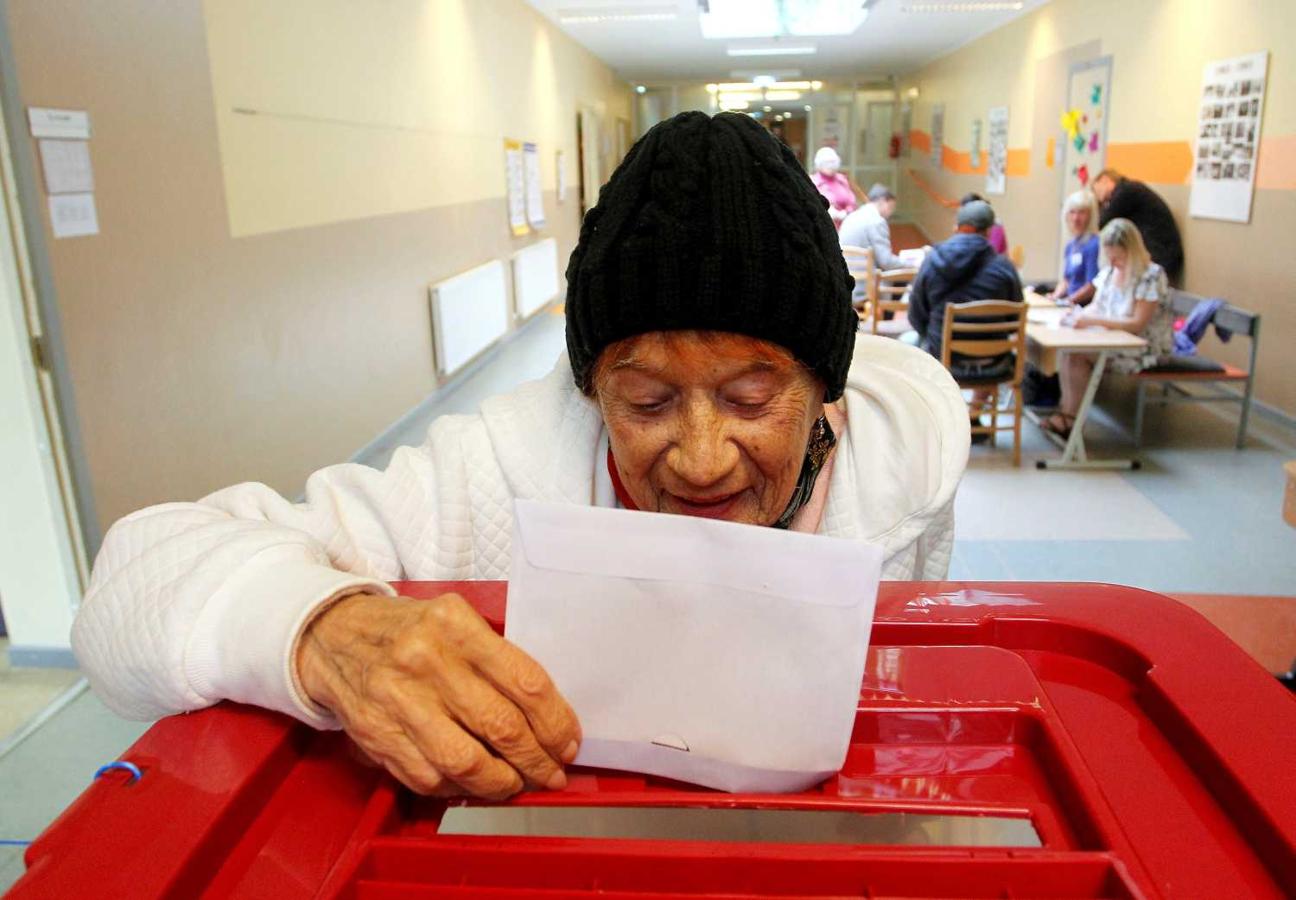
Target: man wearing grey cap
(961,269)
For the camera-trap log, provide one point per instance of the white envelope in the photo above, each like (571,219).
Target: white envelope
(723,655)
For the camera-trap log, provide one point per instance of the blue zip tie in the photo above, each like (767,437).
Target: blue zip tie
(9,843)
(124,766)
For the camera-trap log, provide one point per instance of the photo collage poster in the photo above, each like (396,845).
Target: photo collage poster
(1228,138)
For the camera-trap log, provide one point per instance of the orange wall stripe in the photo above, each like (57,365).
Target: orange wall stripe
(1018,163)
(920,141)
(1276,164)
(1159,162)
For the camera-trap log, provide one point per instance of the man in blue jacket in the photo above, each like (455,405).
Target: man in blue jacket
(962,269)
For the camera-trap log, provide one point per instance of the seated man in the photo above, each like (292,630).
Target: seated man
(962,269)
(868,227)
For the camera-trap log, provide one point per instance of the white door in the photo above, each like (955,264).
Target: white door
(40,582)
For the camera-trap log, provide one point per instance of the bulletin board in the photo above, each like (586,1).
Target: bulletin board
(1084,123)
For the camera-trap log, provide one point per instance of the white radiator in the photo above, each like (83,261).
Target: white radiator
(535,276)
(469,313)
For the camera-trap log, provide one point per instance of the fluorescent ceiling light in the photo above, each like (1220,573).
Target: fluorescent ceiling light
(970,6)
(749,74)
(734,104)
(590,15)
(774,50)
(780,96)
(732,19)
(728,86)
(751,97)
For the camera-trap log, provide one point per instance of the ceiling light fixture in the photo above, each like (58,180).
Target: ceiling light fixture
(594,15)
(782,96)
(971,6)
(774,50)
(732,19)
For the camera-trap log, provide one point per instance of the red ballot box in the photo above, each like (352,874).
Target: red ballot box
(1012,740)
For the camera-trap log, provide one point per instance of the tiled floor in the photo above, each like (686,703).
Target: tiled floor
(1199,517)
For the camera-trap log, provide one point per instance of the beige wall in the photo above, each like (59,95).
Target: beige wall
(1159,48)
(256,304)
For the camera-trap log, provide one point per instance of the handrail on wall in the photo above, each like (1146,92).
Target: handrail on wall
(931,191)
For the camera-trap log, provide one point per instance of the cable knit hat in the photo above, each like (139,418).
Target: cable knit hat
(710,223)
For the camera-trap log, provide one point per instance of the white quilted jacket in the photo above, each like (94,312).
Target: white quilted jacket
(192,603)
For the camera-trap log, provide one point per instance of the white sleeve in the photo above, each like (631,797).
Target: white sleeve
(936,546)
(193,603)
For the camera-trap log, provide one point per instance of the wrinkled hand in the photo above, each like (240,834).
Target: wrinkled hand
(427,689)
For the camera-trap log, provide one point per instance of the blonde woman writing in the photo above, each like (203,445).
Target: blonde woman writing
(1130,294)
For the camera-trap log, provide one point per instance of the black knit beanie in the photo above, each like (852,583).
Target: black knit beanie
(710,223)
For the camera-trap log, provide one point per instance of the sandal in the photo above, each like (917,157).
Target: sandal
(1059,424)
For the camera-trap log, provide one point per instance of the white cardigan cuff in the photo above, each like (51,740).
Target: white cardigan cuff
(244,643)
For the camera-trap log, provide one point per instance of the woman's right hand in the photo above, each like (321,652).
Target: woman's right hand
(430,691)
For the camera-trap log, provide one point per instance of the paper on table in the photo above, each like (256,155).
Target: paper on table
(719,654)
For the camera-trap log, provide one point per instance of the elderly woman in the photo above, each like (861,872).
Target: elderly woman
(712,370)
(1131,294)
(1080,256)
(834,184)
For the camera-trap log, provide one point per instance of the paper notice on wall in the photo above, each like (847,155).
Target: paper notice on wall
(974,156)
(66,165)
(997,162)
(73,215)
(1228,138)
(937,134)
(515,176)
(534,186)
(562,176)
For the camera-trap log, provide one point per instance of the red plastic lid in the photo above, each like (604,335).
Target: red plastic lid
(1149,754)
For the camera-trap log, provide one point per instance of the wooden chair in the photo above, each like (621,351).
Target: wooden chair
(984,328)
(884,290)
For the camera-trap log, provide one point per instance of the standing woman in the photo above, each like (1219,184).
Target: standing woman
(1080,258)
(1132,294)
(833,184)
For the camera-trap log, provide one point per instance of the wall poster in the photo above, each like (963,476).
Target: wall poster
(1228,138)
(1084,123)
(515,181)
(534,185)
(937,134)
(974,156)
(997,160)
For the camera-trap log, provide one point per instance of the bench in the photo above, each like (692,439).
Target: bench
(1201,370)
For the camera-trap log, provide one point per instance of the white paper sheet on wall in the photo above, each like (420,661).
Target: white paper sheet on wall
(66,165)
(719,654)
(73,215)
(534,186)
(515,180)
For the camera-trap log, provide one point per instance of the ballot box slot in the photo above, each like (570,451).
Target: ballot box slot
(782,826)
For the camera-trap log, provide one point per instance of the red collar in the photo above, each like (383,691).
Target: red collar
(621,493)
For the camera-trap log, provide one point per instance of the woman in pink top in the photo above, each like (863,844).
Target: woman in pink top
(833,184)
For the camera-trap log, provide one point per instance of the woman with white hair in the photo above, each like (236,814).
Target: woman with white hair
(833,184)
(1132,294)
(1080,258)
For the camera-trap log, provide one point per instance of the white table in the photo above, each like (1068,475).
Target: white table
(1046,337)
